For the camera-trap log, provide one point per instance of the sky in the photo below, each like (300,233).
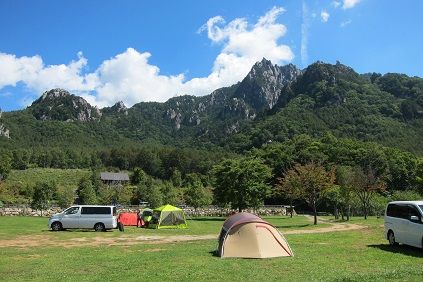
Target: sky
(134,51)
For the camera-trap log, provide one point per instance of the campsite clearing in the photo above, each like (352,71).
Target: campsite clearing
(188,255)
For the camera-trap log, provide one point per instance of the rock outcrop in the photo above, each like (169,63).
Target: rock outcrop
(59,104)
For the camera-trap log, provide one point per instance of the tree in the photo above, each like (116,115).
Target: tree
(86,192)
(43,194)
(5,166)
(333,197)
(366,184)
(169,193)
(344,177)
(408,195)
(150,192)
(196,195)
(312,181)
(138,176)
(65,196)
(105,195)
(176,178)
(122,194)
(242,183)
(95,180)
(289,188)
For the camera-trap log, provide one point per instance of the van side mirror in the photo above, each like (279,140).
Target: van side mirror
(414,218)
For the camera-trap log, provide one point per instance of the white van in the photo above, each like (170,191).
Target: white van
(99,218)
(404,223)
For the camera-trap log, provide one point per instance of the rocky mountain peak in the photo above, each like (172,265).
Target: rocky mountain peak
(119,107)
(263,85)
(54,93)
(3,130)
(59,104)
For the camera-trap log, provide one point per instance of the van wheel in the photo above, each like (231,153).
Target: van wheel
(98,227)
(391,238)
(56,226)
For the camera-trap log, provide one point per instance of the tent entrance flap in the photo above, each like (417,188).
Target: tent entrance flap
(169,217)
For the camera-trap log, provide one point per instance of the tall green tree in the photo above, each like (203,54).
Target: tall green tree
(366,183)
(43,195)
(289,188)
(138,176)
(344,177)
(313,181)
(5,166)
(176,178)
(242,183)
(150,192)
(86,192)
(65,196)
(169,192)
(196,195)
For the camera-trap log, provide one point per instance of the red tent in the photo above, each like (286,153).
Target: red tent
(128,218)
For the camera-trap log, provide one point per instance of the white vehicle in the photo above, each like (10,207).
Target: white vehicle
(99,218)
(404,223)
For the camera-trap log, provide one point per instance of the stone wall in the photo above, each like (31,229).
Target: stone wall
(189,211)
(27,211)
(224,212)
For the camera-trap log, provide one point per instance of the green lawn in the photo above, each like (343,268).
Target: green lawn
(361,255)
(68,178)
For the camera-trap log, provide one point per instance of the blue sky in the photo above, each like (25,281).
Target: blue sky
(134,51)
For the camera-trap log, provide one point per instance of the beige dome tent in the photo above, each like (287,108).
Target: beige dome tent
(248,236)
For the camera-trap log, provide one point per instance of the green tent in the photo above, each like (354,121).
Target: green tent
(168,216)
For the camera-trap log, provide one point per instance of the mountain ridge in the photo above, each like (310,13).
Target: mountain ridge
(271,103)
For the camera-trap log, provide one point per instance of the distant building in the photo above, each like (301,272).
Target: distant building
(112,178)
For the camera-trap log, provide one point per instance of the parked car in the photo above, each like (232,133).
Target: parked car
(99,218)
(404,223)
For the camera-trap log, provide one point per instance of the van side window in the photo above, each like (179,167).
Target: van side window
(412,211)
(400,211)
(403,212)
(95,210)
(72,210)
(392,210)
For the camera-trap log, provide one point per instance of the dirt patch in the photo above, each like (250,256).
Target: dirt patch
(335,227)
(47,241)
(27,241)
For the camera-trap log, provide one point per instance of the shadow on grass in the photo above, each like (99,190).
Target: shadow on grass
(77,231)
(401,249)
(214,253)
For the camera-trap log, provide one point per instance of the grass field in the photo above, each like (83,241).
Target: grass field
(355,255)
(68,178)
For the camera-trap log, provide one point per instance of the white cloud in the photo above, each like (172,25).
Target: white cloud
(129,76)
(324,15)
(345,23)
(6,94)
(348,4)
(13,70)
(336,4)
(38,77)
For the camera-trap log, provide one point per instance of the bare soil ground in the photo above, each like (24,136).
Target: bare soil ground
(335,227)
(29,241)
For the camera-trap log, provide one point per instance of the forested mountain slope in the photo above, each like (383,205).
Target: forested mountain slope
(272,103)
